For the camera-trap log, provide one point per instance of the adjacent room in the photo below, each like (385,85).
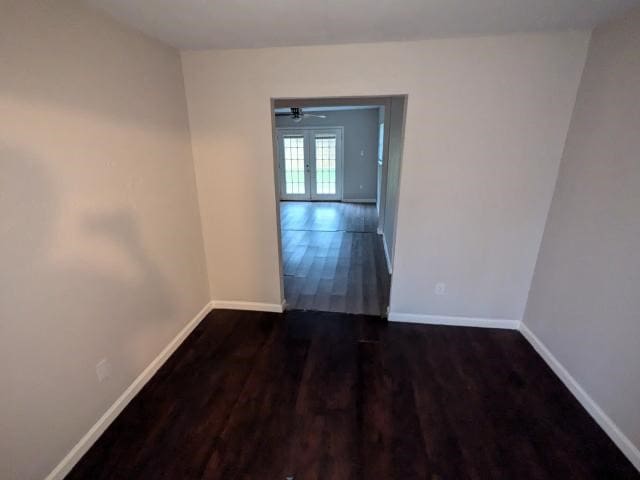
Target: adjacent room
(323,240)
(337,202)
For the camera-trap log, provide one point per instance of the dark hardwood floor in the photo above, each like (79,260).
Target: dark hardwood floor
(333,258)
(329,216)
(326,396)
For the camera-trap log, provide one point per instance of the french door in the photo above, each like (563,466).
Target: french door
(310,163)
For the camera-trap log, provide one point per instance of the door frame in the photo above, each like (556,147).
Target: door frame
(311,156)
(303,102)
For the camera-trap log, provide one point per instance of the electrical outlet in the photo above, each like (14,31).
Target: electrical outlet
(441,288)
(103,370)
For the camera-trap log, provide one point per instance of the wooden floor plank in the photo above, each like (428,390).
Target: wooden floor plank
(333,258)
(320,395)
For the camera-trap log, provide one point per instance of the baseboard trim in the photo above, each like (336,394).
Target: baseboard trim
(254,306)
(601,418)
(89,438)
(386,254)
(454,321)
(359,200)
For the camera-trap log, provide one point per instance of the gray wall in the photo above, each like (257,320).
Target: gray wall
(380,172)
(584,303)
(360,133)
(396,133)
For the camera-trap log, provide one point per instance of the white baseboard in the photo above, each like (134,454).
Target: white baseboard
(85,443)
(454,321)
(359,200)
(255,306)
(605,422)
(387,256)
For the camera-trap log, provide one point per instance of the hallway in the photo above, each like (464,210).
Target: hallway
(333,259)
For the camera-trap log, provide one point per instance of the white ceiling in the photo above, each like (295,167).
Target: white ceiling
(198,24)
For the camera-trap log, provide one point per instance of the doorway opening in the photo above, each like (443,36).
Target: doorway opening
(337,165)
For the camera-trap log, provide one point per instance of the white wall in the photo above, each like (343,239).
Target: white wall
(486,124)
(360,136)
(584,303)
(101,248)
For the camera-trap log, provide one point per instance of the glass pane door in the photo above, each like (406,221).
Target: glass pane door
(310,163)
(294,166)
(326,165)
(327,162)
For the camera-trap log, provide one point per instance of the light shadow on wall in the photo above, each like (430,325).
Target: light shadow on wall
(58,320)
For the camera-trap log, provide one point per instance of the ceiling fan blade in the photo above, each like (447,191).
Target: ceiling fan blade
(314,115)
(283,114)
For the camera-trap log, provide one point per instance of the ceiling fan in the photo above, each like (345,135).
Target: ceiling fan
(297,114)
